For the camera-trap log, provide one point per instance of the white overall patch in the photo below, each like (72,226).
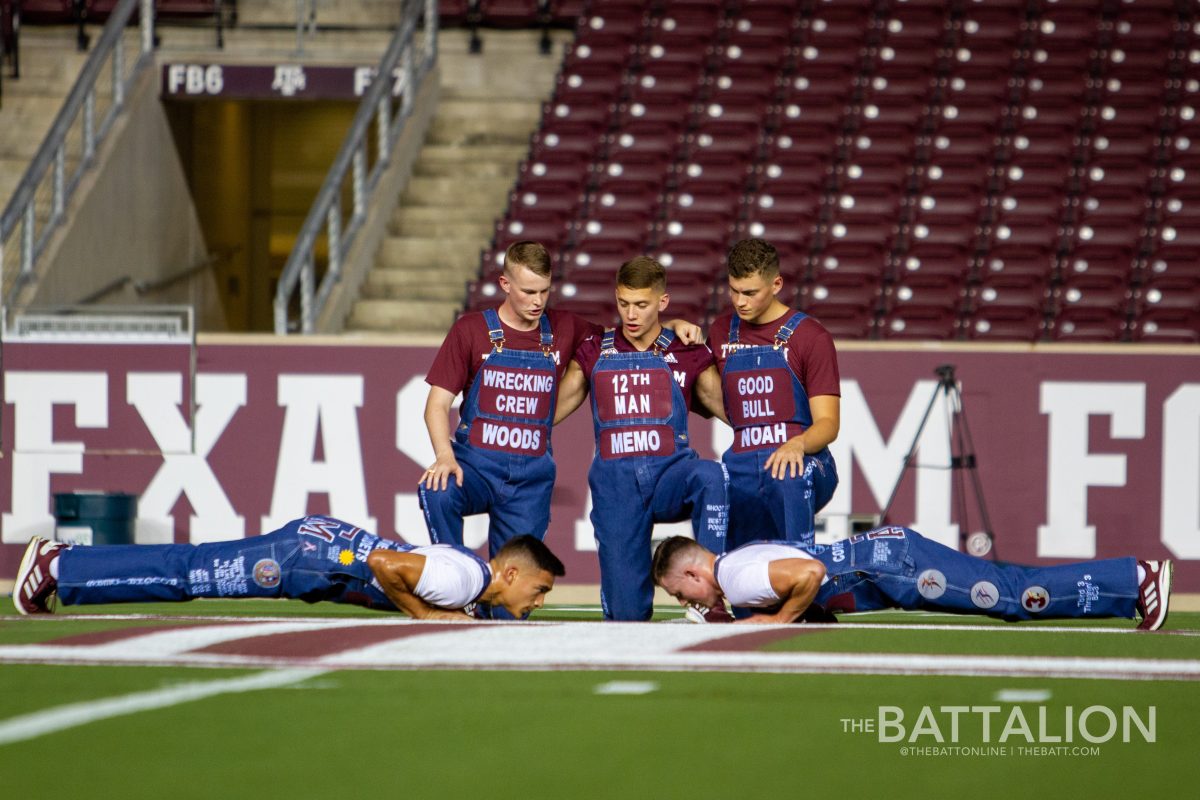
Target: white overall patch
(1035,599)
(985,594)
(931,584)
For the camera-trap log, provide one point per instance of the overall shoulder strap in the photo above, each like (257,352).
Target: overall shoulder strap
(735,322)
(789,327)
(495,329)
(665,337)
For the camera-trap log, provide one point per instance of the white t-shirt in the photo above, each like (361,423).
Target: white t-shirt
(450,579)
(743,577)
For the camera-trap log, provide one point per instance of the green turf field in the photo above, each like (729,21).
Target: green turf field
(500,734)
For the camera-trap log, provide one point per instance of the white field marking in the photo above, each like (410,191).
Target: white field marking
(484,644)
(52,720)
(386,618)
(159,644)
(626,687)
(1015,628)
(1022,695)
(608,646)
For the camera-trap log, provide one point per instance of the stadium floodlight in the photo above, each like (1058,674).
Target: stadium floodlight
(962,460)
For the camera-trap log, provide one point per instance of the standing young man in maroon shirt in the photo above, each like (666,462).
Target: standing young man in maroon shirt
(783,397)
(507,363)
(642,380)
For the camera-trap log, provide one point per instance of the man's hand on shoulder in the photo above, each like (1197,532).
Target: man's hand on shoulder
(687,332)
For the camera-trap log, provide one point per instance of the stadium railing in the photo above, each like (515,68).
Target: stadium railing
(38,206)
(299,300)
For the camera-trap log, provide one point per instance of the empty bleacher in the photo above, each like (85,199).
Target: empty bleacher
(1008,170)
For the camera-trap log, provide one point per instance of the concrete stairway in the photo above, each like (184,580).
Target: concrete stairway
(49,66)
(490,105)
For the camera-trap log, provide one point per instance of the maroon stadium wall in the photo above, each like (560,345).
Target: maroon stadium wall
(1082,452)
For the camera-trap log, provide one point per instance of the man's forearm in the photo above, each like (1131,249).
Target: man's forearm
(819,435)
(437,422)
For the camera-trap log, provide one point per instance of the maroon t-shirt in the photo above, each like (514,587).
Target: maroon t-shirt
(810,351)
(467,345)
(687,361)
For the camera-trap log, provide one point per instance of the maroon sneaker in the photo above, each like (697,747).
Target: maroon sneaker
(1154,594)
(35,591)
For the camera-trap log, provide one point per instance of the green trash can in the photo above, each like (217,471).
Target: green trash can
(94,518)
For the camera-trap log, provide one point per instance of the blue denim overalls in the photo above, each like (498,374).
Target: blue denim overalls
(644,472)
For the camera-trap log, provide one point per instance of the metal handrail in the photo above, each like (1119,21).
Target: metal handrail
(51,159)
(325,216)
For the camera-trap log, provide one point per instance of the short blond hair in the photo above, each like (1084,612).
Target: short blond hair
(531,255)
(642,272)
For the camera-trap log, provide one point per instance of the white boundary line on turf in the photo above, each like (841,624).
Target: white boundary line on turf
(52,720)
(612,646)
(352,621)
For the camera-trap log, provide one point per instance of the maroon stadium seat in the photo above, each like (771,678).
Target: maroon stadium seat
(685,19)
(549,199)
(980,326)
(781,234)
(629,232)
(596,261)
(677,50)
(990,26)
(665,112)
(689,301)
(918,324)
(588,83)
(1018,265)
(561,172)
(552,230)
(673,83)
(566,12)
(594,302)
(693,262)
(1170,330)
(849,265)
(647,171)
(630,198)
(1092,326)
(829,301)
(1099,265)
(612,19)
(511,13)
(52,12)
(555,136)
(483,293)
(639,139)
(935,264)
(711,230)
(948,170)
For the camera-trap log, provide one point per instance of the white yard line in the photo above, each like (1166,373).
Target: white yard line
(584,646)
(154,645)
(52,720)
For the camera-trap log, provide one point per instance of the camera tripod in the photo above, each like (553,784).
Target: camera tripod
(962,460)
